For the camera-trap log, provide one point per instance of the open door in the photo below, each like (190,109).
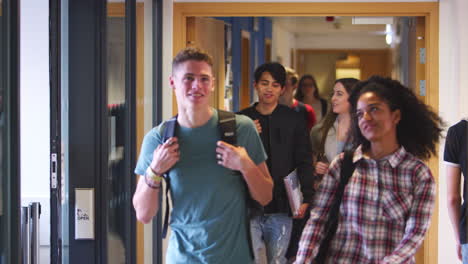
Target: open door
(93,87)
(208,34)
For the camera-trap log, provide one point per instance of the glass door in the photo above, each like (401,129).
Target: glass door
(95,86)
(9,132)
(119,222)
(105,65)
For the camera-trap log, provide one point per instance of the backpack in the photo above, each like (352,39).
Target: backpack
(227,129)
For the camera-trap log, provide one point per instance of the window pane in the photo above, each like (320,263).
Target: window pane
(118,181)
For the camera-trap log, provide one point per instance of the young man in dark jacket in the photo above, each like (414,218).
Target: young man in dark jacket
(285,139)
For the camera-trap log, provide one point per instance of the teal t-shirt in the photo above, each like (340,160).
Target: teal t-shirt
(208,219)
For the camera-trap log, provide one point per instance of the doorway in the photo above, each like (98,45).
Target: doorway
(429,11)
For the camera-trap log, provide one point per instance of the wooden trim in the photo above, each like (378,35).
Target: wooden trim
(140,111)
(116,9)
(432,99)
(268,50)
(244,89)
(429,10)
(304,9)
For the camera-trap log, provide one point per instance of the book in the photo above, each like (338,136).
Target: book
(293,190)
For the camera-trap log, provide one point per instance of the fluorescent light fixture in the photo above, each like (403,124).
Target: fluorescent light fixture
(388,38)
(388,28)
(372,20)
(388,34)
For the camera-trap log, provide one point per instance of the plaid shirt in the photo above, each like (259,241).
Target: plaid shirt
(384,215)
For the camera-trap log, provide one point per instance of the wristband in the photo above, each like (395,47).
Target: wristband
(152,176)
(152,179)
(152,184)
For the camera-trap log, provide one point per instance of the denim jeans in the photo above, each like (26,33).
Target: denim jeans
(464,251)
(270,237)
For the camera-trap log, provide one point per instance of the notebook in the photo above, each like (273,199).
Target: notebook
(293,190)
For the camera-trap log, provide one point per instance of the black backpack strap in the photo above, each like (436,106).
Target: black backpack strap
(227,126)
(347,169)
(227,129)
(169,131)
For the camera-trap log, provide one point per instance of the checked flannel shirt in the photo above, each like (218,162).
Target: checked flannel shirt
(384,215)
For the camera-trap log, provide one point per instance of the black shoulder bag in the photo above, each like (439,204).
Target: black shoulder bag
(347,169)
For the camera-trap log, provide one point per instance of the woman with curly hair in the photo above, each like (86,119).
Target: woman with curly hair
(375,203)
(307,93)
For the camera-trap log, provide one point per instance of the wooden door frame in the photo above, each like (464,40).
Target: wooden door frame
(245,84)
(429,10)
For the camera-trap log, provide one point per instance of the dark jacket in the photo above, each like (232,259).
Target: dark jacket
(289,149)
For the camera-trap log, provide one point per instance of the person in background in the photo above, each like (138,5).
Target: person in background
(456,159)
(330,136)
(284,136)
(287,98)
(387,204)
(328,139)
(210,180)
(308,93)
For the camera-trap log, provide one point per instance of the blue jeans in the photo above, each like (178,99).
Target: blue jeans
(464,251)
(270,237)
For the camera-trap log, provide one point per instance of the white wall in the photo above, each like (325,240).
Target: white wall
(281,44)
(453,92)
(35,112)
(34,92)
(340,42)
(167,58)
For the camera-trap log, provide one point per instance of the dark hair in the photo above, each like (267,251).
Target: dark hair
(276,70)
(329,119)
(419,129)
(191,53)
(300,94)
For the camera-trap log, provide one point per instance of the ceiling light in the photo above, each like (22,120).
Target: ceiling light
(388,38)
(372,20)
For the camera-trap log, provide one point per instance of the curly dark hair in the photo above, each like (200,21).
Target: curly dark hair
(419,129)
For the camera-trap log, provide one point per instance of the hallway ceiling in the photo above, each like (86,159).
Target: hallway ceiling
(319,26)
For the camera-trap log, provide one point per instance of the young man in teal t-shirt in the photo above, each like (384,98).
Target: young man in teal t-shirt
(210,179)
